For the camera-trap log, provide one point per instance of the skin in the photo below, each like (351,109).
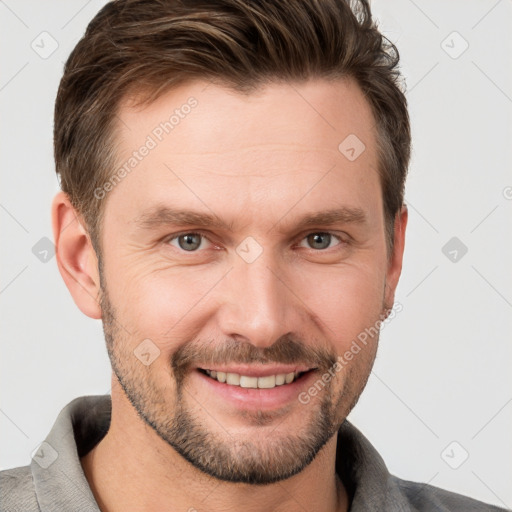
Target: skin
(259,163)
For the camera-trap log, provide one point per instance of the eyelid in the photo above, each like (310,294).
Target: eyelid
(343,238)
(169,238)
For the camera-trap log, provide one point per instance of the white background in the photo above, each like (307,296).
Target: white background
(443,369)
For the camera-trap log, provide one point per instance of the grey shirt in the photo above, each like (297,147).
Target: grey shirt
(54,481)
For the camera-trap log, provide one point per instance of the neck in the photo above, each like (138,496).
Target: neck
(132,468)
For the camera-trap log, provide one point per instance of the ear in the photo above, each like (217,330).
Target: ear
(395,259)
(76,257)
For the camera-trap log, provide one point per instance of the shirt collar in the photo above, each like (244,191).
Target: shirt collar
(60,482)
(363,472)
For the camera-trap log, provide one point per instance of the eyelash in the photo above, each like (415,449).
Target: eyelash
(342,242)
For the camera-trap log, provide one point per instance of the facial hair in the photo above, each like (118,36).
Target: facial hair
(224,455)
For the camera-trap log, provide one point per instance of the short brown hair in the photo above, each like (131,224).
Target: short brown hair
(150,46)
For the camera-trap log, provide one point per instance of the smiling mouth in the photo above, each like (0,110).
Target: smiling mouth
(246,381)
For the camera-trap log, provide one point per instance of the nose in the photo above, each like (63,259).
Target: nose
(258,304)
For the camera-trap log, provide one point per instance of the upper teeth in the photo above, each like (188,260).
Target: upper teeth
(244,381)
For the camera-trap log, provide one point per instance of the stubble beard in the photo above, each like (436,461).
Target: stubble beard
(251,459)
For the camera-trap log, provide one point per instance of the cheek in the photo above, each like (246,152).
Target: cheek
(164,303)
(347,300)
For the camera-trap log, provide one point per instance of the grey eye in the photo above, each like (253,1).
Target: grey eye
(189,241)
(319,240)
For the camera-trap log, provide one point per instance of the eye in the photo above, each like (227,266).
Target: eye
(189,242)
(321,240)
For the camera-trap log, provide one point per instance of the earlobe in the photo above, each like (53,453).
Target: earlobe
(76,258)
(395,261)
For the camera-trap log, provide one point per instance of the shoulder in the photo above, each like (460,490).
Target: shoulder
(17,492)
(427,498)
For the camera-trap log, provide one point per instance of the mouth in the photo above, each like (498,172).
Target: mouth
(254,387)
(253,381)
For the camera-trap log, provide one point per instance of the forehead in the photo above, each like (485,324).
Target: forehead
(200,143)
(220,119)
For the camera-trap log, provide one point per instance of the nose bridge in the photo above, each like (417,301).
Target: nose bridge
(258,306)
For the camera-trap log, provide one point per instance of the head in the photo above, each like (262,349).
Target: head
(232,196)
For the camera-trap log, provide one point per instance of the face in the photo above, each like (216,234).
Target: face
(243,252)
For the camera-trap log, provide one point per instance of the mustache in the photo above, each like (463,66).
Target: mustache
(285,351)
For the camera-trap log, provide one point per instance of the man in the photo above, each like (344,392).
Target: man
(232,181)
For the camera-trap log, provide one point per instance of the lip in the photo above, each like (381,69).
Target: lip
(259,371)
(253,399)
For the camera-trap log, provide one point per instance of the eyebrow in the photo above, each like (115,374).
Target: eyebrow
(163,215)
(341,215)
(154,218)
